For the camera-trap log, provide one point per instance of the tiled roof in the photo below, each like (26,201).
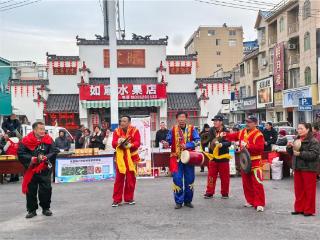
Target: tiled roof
(4,60)
(182,57)
(183,101)
(53,57)
(63,103)
(29,82)
(142,80)
(251,54)
(213,80)
(122,42)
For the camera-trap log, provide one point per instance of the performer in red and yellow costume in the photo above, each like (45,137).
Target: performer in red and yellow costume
(253,140)
(126,141)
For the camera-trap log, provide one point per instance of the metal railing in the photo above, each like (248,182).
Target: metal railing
(294,59)
(272,39)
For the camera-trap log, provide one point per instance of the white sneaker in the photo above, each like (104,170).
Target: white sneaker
(260,209)
(248,205)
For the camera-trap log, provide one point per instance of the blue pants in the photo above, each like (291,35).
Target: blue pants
(183,183)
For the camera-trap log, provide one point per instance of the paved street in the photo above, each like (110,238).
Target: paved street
(83,211)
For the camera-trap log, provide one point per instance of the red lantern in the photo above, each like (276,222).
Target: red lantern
(27,90)
(33,89)
(21,89)
(38,99)
(64,65)
(212,88)
(15,90)
(52,63)
(229,88)
(218,87)
(207,90)
(223,87)
(59,63)
(70,63)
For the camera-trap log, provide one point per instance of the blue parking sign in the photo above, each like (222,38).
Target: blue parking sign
(305,104)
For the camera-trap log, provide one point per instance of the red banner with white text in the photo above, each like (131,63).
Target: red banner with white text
(125,92)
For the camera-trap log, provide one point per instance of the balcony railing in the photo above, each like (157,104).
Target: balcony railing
(294,59)
(272,39)
(293,28)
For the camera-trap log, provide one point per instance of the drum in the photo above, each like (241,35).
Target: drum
(192,157)
(297,145)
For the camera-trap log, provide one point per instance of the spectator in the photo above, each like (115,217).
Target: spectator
(107,140)
(105,128)
(84,140)
(11,124)
(305,170)
(316,132)
(11,148)
(62,142)
(96,140)
(161,134)
(78,135)
(270,136)
(282,138)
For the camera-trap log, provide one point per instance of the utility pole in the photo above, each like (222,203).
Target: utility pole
(111,29)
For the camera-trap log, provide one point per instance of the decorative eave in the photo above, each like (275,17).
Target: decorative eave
(163,69)
(251,54)
(190,57)
(44,89)
(213,80)
(82,41)
(53,57)
(28,82)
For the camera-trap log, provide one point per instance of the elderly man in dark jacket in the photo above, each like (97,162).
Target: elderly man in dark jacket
(62,142)
(37,153)
(270,136)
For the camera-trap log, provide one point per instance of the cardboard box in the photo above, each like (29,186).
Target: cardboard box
(266,171)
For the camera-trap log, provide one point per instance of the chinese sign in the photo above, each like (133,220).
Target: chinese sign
(106,58)
(278,67)
(125,92)
(131,58)
(305,104)
(64,70)
(180,70)
(250,103)
(264,92)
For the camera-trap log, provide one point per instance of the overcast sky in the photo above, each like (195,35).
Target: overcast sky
(27,33)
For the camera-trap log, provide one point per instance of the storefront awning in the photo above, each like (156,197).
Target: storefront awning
(124,103)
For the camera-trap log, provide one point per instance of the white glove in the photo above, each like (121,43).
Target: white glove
(120,140)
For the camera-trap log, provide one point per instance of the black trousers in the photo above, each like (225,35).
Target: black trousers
(40,185)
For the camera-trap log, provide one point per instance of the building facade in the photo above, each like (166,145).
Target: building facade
(218,47)
(5,97)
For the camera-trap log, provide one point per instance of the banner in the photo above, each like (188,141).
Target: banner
(125,92)
(278,66)
(84,169)
(144,127)
(291,96)
(264,92)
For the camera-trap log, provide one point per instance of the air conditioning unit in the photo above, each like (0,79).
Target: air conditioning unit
(292,46)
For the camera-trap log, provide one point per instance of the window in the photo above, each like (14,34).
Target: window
(242,92)
(211,32)
(242,70)
(232,32)
(307,76)
(306,41)
(279,116)
(249,91)
(281,24)
(294,76)
(218,53)
(218,42)
(219,65)
(306,9)
(232,42)
(248,67)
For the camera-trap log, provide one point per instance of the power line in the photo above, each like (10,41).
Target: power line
(14,4)
(224,4)
(257,2)
(22,5)
(6,2)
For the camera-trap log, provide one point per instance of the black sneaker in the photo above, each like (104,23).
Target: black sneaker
(31,214)
(189,205)
(178,206)
(115,204)
(296,213)
(225,196)
(308,215)
(207,196)
(47,212)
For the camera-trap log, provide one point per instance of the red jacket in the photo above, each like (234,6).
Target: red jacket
(12,146)
(254,140)
(135,141)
